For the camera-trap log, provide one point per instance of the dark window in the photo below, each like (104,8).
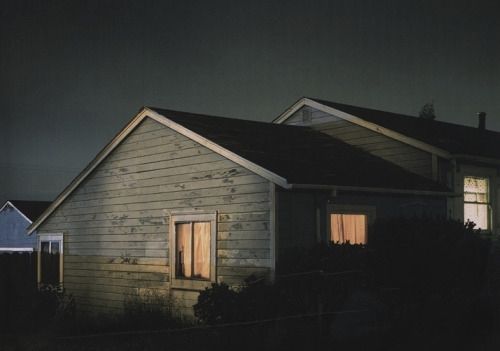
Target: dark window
(50,262)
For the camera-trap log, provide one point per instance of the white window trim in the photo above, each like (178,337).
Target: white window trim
(488,204)
(16,249)
(50,237)
(369,211)
(192,216)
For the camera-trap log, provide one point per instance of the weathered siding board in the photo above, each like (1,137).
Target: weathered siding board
(136,276)
(104,259)
(216,171)
(243,235)
(116,222)
(174,186)
(151,237)
(199,202)
(193,168)
(243,253)
(401,154)
(173,194)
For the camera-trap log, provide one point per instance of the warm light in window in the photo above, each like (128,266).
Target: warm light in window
(193,250)
(350,228)
(476,201)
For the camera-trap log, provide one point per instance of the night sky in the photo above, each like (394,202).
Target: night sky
(74,72)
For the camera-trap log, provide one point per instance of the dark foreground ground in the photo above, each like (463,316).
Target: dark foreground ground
(249,338)
(303,333)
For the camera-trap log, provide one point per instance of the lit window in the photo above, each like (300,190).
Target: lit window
(192,238)
(476,201)
(348,228)
(50,262)
(192,247)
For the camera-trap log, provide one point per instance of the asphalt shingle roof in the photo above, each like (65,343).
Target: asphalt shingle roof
(454,138)
(300,154)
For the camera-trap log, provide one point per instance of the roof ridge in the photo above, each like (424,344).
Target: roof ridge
(194,114)
(397,114)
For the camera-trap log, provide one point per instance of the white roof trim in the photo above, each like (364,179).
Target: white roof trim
(291,110)
(22,214)
(16,249)
(363,123)
(372,189)
(146,112)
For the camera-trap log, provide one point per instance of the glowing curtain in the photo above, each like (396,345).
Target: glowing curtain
(348,228)
(193,250)
(201,238)
(183,250)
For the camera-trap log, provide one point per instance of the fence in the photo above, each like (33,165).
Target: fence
(17,287)
(320,322)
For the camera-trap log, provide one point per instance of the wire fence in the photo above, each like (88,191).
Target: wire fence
(315,326)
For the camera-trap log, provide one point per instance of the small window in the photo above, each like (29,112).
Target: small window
(476,201)
(192,250)
(349,228)
(349,223)
(193,236)
(50,262)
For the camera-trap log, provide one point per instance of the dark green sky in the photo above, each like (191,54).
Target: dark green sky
(73,72)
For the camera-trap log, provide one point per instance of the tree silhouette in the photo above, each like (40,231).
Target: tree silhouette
(427,111)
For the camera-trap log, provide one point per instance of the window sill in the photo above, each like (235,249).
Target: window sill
(190,284)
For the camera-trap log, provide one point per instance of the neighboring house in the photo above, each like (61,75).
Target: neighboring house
(179,200)
(464,159)
(15,217)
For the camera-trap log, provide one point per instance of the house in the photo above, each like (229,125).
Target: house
(15,217)
(179,200)
(464,159)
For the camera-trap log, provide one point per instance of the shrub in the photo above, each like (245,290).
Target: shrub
(437,266)
(428,273)
(216,304)
(150,309)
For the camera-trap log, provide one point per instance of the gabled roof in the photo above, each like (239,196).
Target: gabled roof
(28,209)
(301,155)
(457,140)
(288,156)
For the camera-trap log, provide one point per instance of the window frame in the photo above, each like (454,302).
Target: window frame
(369,211)
(489,220)
(191,217)
(52,237)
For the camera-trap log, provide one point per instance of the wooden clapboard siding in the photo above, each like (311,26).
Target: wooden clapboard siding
(243,253)
(401,154)
(185,300)
(116,222)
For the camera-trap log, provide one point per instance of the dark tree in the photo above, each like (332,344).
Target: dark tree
(427,111)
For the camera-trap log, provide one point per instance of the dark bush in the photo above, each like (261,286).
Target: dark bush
(294,293)
(150,309)
(435,268)
(217,304)
(429,273)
